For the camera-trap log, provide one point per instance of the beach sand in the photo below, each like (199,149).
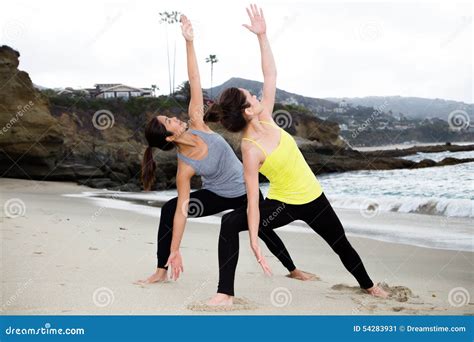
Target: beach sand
(66,255)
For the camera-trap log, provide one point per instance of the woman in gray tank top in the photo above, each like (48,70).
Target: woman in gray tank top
(200,152)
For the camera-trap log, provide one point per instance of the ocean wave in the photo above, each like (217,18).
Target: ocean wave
(418,205)
(399,228)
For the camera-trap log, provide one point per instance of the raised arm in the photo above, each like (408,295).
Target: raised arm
(196,104)
(183,183)
(259,27)
(251,165)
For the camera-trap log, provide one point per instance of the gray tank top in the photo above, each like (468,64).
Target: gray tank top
(221,171)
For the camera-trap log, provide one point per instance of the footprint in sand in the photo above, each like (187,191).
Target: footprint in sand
(396,293)
(401,294)
(239,304)
(398,308)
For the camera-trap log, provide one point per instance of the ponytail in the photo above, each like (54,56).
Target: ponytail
(229,110)
(148,169)
(155,134)
(214,113)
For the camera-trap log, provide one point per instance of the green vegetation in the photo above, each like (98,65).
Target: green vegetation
(135,106)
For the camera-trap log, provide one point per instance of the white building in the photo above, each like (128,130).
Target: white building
(114,90)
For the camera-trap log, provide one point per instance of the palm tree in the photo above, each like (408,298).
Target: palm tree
(211,59)
(170,18)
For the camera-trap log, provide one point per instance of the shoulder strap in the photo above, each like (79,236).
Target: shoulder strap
(257,144)
(209,138)
(184,158)
(269,123)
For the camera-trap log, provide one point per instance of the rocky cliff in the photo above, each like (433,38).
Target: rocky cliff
(31,140)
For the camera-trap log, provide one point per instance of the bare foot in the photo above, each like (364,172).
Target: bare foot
(160,275)
(302,275)
(377,291)
(221,299)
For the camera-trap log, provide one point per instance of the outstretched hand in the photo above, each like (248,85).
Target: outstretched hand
(176,263)
(186,28)
(257,20)
(261,259)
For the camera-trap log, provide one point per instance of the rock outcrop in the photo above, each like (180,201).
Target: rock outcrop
(31,140)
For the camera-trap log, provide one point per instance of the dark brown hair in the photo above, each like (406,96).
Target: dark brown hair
(229,110)
(155,134)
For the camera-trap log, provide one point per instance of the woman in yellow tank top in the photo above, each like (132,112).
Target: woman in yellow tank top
(295,192)
(291,179)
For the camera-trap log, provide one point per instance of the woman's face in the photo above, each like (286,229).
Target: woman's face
(173,125)
(255,105)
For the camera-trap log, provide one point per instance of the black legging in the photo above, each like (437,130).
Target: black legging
(318,214)
(204,203)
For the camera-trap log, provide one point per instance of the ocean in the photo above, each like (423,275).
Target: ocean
(446,192)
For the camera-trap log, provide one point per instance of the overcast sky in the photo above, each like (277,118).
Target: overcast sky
(322,49)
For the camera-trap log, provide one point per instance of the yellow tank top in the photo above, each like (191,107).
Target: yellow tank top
(291,179)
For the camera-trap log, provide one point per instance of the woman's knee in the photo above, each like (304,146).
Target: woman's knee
(342,245)
(232,222)
(168,209)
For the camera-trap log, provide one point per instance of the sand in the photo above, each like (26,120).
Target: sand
(64,255)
